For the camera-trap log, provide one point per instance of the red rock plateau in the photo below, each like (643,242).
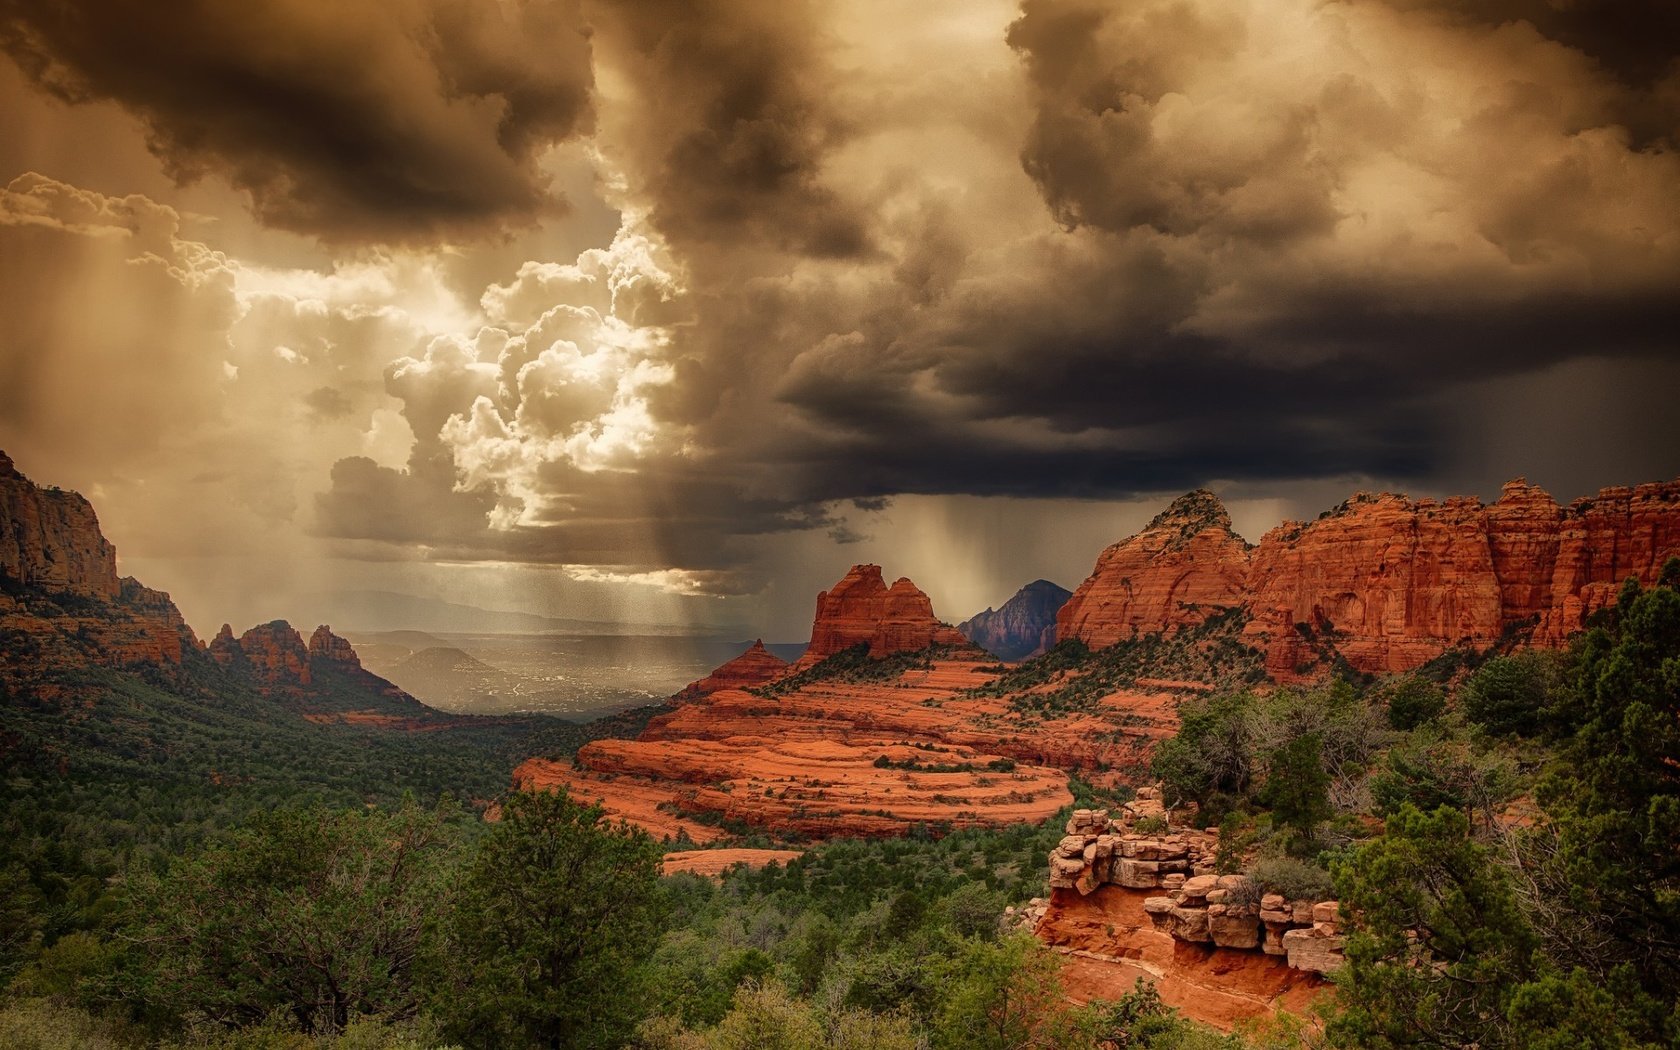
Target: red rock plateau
(713,862)
(866,748)
(1382,581)
(862,610)
(752,668)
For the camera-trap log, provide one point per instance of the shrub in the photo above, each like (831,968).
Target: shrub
(1296,879)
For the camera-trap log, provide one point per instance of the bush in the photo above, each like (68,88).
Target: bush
(1298,880)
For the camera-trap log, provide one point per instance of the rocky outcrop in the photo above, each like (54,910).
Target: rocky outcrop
(1186,565)
(61,601)
(1018,629)
(50,540)
(275,656)
(325,645)
(862,610)
(1198,906)
(1382,581)
(752,668)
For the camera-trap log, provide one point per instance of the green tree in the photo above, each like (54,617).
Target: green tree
(1510,695)
(1436,943)
(323,915)
(1611,846)
(1297,788)
(1412,701)
(1004,995)
(558,915)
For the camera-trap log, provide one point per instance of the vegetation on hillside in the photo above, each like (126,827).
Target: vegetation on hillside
(1504,849)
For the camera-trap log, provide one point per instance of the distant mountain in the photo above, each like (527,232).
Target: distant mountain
(102,682)
(386,612)
(1024,626)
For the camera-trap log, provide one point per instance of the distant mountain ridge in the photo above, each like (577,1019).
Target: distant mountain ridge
(63,609)
(390,612)
(1024,626)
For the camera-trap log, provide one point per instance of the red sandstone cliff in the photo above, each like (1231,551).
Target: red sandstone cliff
(50,540)
(1185,565)
(862,609)
(754,667)
(59,590)
(1387,582)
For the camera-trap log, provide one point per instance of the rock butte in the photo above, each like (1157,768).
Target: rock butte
(862,610)
(1384,582)
(754,667)
(63,595)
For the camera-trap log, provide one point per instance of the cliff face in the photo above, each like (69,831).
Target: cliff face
(754,667)
(862,609)
(1019,628)
(1385,582)
(63,607)
(61,601)
(1184,566)
(50,540)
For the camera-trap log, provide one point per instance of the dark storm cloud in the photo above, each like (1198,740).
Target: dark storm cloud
(730,122)
(1273,267)
(395,121)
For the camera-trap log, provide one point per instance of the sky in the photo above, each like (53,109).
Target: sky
(659,312)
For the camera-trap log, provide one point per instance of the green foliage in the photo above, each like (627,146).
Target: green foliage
(1296,879)
(1451,986)
(1211,753)
(557,916)
(1412,701)
(1211,651)
(855,664)
(1297,788)
(1430,768)
(1613,801)
(1510,695)
(323,915)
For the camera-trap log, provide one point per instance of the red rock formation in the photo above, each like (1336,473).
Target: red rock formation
(862,609)
(1185,565)
(276,656)
(50,540)
(325,645)
(754,667)
(1384,582)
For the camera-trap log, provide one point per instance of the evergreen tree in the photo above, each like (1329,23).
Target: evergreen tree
(558,915)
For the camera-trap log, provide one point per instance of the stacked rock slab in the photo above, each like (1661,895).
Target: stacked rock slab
(1199,906)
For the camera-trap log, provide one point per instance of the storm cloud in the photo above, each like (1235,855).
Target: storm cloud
(406,121)
(871,260)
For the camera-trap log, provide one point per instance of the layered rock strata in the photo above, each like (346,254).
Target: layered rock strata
(1382,581)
